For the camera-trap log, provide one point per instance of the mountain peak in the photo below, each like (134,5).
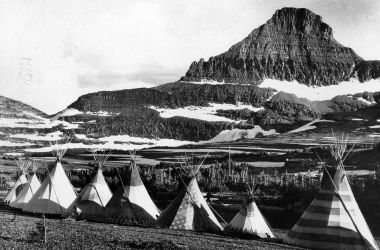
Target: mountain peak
(293,45)
(302,20)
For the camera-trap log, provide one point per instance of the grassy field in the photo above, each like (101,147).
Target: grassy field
(24,232)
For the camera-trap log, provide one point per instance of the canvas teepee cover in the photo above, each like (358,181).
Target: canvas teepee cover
(15,190)
(131,203)
(55,196)
(249,221)
(27,192)
(95,195)
(23,165)
(190,211)
(333,220)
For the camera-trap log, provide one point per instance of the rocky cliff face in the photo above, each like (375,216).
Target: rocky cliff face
(295,44)
(122,100)
(172,95)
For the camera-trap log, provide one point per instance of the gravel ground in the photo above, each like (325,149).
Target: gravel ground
(24,232)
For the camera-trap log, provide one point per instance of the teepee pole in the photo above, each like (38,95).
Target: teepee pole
(51,181)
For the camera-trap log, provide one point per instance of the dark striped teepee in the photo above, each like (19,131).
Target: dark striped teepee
(131,203)
(23,164)
(333,220)
(249,221)
(29,190)
(189,210)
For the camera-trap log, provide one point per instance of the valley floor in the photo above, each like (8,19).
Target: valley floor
(24,232)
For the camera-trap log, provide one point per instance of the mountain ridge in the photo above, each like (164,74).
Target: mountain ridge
(293,45)
(13,108)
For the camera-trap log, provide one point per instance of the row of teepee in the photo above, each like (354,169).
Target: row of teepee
(332,221)
(130,203)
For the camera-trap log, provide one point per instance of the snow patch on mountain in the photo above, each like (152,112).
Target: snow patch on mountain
(204,113)
(54,136)
(32,115)
(14,144)
(237,134)
(66,112)
(102,113)
(72,112)
(321,93)
(36,123)
(374,126)
(308,126)
(213,82)
(117,142)
(366,101)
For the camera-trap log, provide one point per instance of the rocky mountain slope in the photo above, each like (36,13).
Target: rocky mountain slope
(295,44)
(172,95)
(12,108)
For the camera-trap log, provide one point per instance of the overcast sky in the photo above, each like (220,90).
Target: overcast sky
(75,47)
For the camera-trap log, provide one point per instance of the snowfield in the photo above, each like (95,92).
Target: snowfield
(356,119)
(35,123)
(237,134)
(102,113)
(204,113)
(66,112)
(72,112)
(117,142)
(374,126)
(365,101)
(323,92)
(14,144)
(54,136)
(213,82)
(144,141)
(308,126)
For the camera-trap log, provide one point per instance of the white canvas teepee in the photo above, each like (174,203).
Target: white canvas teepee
(131,203)
(333,220)
(95,195)
(28,191)
(249,220)
(189,210)
(23,165)
(56,194)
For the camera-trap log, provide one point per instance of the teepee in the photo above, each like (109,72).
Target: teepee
(95,195)
(189,210)
(333,220)
(56,194)
(131,203)
(249,220)
(29,190)
(23,165)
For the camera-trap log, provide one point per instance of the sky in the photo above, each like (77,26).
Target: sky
(51,52)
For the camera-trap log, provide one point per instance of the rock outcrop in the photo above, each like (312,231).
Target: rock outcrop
(295,44)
